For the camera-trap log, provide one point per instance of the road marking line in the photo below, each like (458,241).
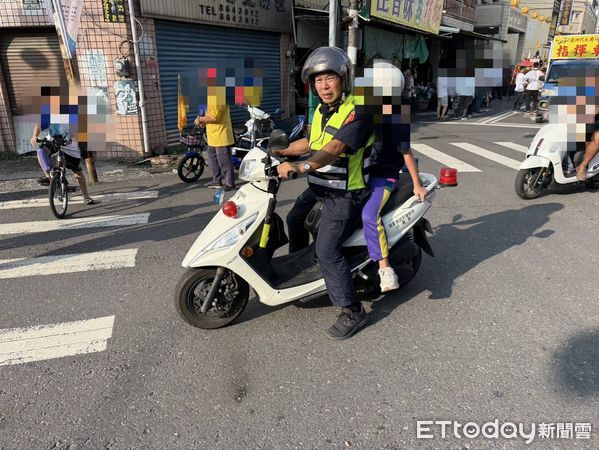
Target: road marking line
(498,117)
(505,116)
(55,264)
(443,158)
(508,125)
(35,202)
(42,342)
(503,160)
(74,224)
(513,146)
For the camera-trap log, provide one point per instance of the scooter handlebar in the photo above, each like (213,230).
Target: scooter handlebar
(291,174)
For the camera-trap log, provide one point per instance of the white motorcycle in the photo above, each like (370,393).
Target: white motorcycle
(235,251)
(552,157)
(257,128)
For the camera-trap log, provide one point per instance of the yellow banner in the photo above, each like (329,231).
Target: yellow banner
(573,47)
(182,106)
(422,15)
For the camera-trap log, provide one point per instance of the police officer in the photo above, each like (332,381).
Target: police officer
(339,144)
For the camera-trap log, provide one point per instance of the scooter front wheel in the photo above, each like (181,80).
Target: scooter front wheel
(529,183)
(229,302)
(190,168)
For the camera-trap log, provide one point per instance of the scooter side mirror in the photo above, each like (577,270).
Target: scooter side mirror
(278,140)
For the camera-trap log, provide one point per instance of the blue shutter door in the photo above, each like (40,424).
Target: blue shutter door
(183,46)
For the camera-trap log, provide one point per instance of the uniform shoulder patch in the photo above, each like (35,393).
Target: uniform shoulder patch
(350,118)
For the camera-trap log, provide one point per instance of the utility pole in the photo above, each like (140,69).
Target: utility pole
(352,34)
(140,83)
(333,21)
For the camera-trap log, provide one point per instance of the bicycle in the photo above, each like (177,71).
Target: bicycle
(192,165)
(58,191)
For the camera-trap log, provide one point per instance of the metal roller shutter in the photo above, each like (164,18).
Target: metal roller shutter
(182,46)
(29,60)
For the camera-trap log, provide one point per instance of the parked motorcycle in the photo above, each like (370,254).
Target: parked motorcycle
(258,128)
(235,250)
(550,158)
(254,133)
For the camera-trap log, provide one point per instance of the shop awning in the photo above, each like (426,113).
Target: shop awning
(393,45)
(452,30)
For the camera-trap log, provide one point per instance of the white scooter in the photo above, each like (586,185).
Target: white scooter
(235,250)
(553,156)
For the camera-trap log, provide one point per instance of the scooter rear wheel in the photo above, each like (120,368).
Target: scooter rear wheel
(228,304)
(405,272)
(524,178)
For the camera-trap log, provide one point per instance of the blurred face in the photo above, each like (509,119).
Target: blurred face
(328,86)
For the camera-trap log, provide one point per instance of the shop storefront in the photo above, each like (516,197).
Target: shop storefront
(190,36)
(28,58)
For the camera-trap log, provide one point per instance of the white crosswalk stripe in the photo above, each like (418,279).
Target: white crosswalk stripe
(513,146)
(37,202)
(496,157)
(26,345)
(38,343)
(56,264)
(73,224)
(444,158)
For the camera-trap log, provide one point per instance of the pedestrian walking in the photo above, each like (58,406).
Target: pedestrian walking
(533,86)
(519,90)
(442,98)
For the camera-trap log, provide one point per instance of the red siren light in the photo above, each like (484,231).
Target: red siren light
(448,176)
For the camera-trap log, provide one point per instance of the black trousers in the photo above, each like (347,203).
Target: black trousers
(339,219)
(534,100)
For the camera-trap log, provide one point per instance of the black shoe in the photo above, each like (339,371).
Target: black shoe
(348,323)
(213,185)
(44,181)
(229,188)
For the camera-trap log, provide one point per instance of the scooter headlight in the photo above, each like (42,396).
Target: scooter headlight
(247,168)
(232,236)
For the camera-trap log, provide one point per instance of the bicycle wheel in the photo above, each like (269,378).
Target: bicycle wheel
(191,168)
(59,196)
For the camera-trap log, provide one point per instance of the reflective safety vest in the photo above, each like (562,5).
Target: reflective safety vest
(350,171)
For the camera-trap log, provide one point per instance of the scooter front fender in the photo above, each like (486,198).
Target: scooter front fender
(250,203)
(534,162)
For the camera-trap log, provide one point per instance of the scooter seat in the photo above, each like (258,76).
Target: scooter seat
(240,131)
(403,191)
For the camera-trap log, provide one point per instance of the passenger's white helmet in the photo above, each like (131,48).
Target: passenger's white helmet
(384,78)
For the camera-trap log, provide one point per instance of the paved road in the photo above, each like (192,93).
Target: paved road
(502,324)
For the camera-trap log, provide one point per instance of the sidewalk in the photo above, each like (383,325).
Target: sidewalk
(22,174)
(496,107)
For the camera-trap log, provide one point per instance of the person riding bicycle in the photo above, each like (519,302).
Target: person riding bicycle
(340,142)
(72,155)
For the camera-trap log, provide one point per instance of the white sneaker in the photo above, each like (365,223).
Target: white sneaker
(389,280)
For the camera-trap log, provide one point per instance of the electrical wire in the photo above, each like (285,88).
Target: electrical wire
(89,16)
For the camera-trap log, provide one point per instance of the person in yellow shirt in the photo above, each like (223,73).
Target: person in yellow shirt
(219,133)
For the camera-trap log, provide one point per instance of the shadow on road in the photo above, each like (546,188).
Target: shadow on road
(576,365)
(463,244)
